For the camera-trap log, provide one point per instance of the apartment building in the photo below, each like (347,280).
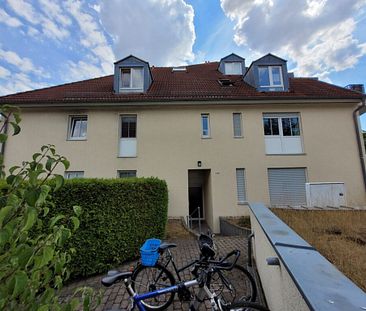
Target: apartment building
(220,133)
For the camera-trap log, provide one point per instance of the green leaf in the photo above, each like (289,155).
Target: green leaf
(66,163)
(21,281)
(17,117)
(77,210)
(13,168)
(49,163)
(4,212)
(45,189)
(59,182)
(76,222)
(44,308)
(36,156)
(54,220)
(10,179)
(30,218)
(47,256)
(3,137)
(16,128)
(31,196)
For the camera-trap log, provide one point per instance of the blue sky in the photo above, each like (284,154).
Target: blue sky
(50,42)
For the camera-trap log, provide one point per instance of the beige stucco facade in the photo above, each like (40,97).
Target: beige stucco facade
(169,144)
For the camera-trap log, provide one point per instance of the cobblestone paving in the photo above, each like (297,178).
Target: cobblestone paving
(116,297)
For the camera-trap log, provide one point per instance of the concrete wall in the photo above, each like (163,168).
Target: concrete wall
(302,279)
(169,143)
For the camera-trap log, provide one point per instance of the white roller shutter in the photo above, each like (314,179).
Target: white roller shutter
(287,186)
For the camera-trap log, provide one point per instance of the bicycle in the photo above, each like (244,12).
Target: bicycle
(234,284)
(202,279)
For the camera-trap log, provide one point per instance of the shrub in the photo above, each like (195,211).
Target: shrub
(118,215)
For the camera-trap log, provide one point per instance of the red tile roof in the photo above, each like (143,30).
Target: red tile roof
(199,82)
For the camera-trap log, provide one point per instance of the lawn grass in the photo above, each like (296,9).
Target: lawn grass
(339,235)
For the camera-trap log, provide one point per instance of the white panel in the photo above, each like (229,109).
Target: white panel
(291,144)
(325,194)
(273,145)
(240,185)
(127,147)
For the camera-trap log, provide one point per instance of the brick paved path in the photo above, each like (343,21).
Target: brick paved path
(116,297)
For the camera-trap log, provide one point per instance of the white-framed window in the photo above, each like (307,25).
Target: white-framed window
(74,174)
(240,185)
(237,124)
(205,122)
(233,68)
(282,133)
(126,173)
(132,79)
(77,127)
(128,141)
(270,77)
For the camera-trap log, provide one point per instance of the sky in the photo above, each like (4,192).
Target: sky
(51,42)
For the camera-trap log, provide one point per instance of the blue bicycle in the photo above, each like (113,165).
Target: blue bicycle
(202,278)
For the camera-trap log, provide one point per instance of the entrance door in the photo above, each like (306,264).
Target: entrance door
(195,200)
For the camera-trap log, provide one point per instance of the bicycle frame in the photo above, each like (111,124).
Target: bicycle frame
(138,298)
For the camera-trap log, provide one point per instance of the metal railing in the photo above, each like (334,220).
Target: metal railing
(190,219)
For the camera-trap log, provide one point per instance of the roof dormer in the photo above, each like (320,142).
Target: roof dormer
(268,74)
(131,75)
(232,65)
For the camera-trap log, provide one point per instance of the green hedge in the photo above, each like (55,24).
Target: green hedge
(117,216)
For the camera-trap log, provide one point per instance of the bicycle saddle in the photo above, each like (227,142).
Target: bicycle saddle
(114,276)
(163,246)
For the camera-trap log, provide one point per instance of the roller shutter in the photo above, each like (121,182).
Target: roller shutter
(287,186)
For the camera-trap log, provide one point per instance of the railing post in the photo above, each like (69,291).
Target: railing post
(199,219)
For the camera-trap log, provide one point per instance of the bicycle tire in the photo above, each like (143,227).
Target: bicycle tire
(234,285)
(244,306)
(146,279)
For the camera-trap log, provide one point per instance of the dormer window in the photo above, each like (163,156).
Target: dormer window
(233,68)
(270,77)
(132,79)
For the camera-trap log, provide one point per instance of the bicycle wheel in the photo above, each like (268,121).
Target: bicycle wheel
(147,279)
(244,306)
(233,285)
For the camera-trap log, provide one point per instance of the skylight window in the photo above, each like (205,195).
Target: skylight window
(179,69)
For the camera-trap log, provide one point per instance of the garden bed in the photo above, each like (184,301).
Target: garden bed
(340,236)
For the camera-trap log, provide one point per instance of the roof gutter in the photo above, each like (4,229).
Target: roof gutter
(359,139)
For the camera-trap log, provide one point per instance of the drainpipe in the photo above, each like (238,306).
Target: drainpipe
(358,136)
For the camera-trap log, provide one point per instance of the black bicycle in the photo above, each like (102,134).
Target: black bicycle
(231,285)
(203,273)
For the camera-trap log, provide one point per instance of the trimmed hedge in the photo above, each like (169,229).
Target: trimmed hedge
(117,216)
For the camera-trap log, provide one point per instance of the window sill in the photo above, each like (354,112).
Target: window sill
(76,139)
(243,203)
(206,137)
(238,137)
(126,157)
(286,154)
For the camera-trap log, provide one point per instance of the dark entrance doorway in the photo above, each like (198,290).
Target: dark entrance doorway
(195,200)
(198,193)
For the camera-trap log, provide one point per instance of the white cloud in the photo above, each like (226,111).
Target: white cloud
(25,10)
(19,82)
(159,31)
(53,10)
(51,30)
(75,71)
(52,27)
(92,36)
(9,20)
(316,34)
(24,64)
(4,73)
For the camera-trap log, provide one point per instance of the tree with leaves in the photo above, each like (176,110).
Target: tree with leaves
(33,259)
